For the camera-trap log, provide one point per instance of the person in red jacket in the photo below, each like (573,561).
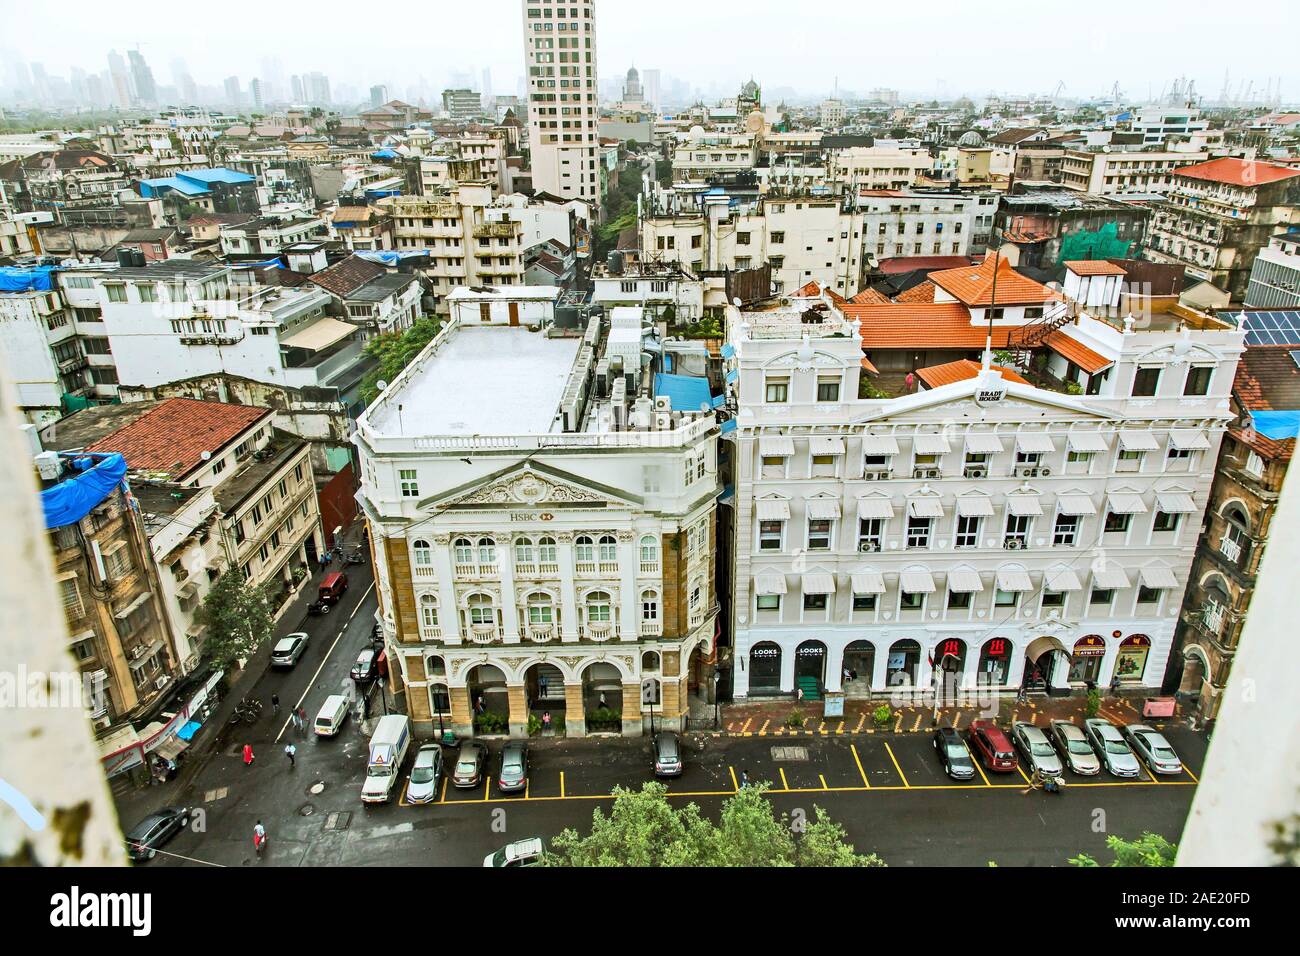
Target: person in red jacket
(248,755)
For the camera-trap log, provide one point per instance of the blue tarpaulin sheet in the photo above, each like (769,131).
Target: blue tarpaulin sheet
(1277,425)
(728,351)
(687,392)
(391,258)
(188,731)
(732,376)
(36,279)
(70,501)
(383,154)
(728,426)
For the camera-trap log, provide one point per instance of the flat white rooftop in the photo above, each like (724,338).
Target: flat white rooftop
(484,380)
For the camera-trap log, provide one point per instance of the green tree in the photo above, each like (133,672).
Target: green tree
(1150,849)
(238,618)
(395,351)
(644,829)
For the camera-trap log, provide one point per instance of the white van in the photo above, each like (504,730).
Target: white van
(387,751)
(333,715)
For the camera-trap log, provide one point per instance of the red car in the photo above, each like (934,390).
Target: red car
(991,747)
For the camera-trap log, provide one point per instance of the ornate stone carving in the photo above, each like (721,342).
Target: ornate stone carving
(529,488)
(442,540)
(626,537)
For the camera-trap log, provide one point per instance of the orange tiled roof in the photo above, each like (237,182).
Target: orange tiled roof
(867,366)
(1237,172)
(1094,267)
(835,297)
(926,325)
(922,292)
(973,285)
(867,296)
(172,436)
(808,290)
(960,371)
(1076,352)
(1274,449)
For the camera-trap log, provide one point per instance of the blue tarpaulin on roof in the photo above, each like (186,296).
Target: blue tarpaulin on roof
(1277,425)
(732,376)
(729,426)
(688,393)
(36,279)
(70,501)
(391,258)
(728,350)
(383,154)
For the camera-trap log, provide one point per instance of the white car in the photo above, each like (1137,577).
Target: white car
(287,651)
(522,853)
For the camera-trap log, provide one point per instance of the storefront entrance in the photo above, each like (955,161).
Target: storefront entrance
(1131,662)
(859,665)
(1085,662)
(995,662)
(765,669)
(901,668)
(810,668)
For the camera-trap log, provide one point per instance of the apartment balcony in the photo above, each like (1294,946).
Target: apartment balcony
(587,568)
(650,568)
(598,631)
(526,569)
(423,572)
(650,629)
(541,633)
(497,230)
(485,634)
(477,572)
(608,568)
(431,633)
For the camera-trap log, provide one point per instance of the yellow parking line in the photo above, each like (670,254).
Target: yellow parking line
(862,773)
(976,761)
(840,728)
(785,784)
(917,726)
(561,784)
(1020,770)
(862,717)
(735,785)
(889,750)
(1187,770)
(822,778)
(821,727)
(898,724)
(763,730)
(527,783)
(745,725)
(487,789)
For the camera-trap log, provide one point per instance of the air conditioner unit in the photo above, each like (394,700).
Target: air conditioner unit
(137,652)
(103,723)
(161,682)
(1045,472)
(663,403)
(976,471)
(664,421)
(1012,544)
(932,473)
(1029,472)
(869,547)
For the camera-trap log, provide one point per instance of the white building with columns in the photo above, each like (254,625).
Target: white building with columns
(541,505)
(1006,532)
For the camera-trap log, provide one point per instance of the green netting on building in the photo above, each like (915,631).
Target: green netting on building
(1103,243)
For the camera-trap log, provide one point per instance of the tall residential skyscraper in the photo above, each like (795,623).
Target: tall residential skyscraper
(123,94)
(145,89)
(296,91)
(232,91)
(560,54)
(651,79)
(378,95)
(255,89)
(318,89)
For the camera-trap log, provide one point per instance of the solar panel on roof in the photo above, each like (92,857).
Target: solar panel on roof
(1266,327)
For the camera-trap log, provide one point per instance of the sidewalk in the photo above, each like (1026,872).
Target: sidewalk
(772,718)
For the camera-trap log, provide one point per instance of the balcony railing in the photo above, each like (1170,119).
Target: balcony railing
(1212,618)
(650,567)
(423,570)
(650,629)
(548,568)
(587,567)
(1232,550)
(525,569)
(598,630)
(484,633)
(431,633)
(475,570)
(609,567)
(540,633)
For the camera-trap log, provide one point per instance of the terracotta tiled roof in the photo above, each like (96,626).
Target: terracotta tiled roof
(808,290)
(348,276)
(1267,379)
(899,265)
(1094,267)
(836,297)
(867,296)
(973,285)
(1237,172)
(932,325)
(918,293)
(1076,352)
(173,436)
(353,214)
(1271,448)
(960,371)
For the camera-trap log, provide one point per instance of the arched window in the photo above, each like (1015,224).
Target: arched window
(608,549)
(423,554)
(464,551)
(541,612)
(650,662)
(649,549)
(546,551)
(481,610)
(598,607)
(584,550)
(524,551)
(428,610)
(487,551)
(436,666)
(649,607)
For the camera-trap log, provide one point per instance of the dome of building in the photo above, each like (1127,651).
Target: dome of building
(971,138)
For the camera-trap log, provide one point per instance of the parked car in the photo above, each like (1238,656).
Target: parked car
(992,747)
(287,651)
(953,754)
(425,775)
(144,839)
(1035,749)
(1109,743)
(333,587)
(513,774)
(366,668)
(1150,745)
(667,755)
(470,764)
(1073,746)
(520,853)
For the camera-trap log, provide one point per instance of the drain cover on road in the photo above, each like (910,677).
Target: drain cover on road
(306,810)
(317,787)
(213,795)
(338,821)
(789,753)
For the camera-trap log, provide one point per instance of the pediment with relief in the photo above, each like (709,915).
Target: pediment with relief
(527,488)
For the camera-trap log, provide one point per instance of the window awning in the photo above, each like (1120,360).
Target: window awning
(1111,576)
(916,582)
(1175,502)
(925,507)
(1188,439)
(1138,441)
(983,443)
(818,582)
(1126,503)
(1076,505)
(776,446)
(1023,505)
(975,506)
(1061,579)
(879,445)
(931,445)
(1035,443)
(875,508)
(1087,442)
(1014,579)
(320,335)
(822,509)
(868,582)
(826,446)
(964,581)
(773,509)
(769,582)
(1156,577)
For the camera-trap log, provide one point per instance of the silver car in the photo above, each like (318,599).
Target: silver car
(1074,748)
(1115,754)
(1035,748)
(1151,746)
(287,651)
(425,775)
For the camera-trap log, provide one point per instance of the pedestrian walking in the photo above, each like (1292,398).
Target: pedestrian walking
(1114,686)
(301,714)
(290,751)
(546,721)
(910,380)
(603,705)
(744,778)
(275,704)
(248,755)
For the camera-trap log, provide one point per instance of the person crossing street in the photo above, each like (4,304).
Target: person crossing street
(290,751)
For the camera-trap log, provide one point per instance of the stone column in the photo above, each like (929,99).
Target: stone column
(633,721)
(670,712)
(518,709)
(417,694)
(462,717)
(629,563)
(575,714)
(835,666)
(880,667)
(509,600)
(568,590)
(448,614)
(787,669)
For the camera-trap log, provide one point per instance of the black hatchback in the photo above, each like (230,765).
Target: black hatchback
(144,839)
(953,754)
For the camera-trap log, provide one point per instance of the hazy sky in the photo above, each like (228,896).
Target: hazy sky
(933,47)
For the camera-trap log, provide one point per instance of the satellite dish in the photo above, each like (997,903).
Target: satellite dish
(736,302)
(206,455)
(381,385)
